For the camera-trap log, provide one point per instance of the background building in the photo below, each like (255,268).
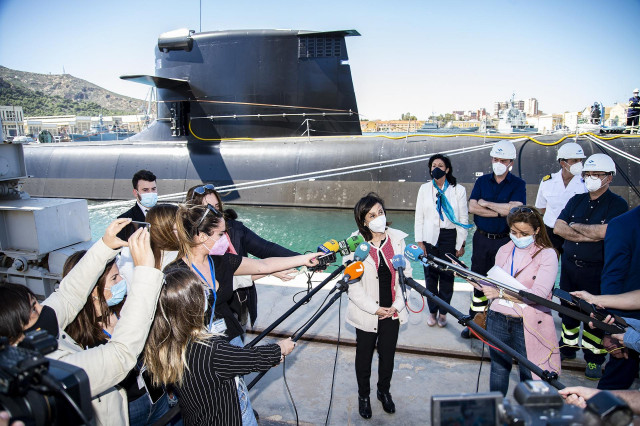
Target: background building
(12,121)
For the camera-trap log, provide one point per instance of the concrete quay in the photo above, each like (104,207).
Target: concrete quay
(429,361)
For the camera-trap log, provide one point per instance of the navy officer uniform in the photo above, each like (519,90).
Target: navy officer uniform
(553,197)
(581,268)
(491,232)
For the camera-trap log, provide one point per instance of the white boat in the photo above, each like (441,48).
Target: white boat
(512,120)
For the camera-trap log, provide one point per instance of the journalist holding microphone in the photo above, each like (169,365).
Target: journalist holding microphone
(108,364)
(376,306)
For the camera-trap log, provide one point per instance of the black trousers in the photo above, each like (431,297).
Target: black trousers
(619,373)
(441,283)
(633,120)
(556,240)
(386,339)
(482,259)
(580,276)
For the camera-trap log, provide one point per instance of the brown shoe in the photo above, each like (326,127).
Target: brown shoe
(431,320)
(442,321)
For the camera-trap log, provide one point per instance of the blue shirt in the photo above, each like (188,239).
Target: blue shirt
(621,272)
(582,209)
(512,188)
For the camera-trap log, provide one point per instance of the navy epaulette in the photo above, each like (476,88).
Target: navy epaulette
(546,178)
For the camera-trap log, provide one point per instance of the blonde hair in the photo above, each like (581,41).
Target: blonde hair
(179,320)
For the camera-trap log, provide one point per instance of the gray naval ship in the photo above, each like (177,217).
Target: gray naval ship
(270,117)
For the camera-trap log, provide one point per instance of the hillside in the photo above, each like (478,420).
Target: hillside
(60,94)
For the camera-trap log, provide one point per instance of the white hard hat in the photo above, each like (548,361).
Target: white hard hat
(599,163)
(570,150)
(503,149)
(636,90)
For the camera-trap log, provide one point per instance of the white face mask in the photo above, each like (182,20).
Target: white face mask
(149,199)
(378,224)
(592,183)
(499,169)
(576,169)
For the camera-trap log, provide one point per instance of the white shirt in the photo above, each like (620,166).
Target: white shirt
(427,223)
(553,195)
(143,208)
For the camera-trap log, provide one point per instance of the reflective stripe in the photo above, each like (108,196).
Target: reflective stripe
(571,331)
(477,308)
(594,349)
(570,342)
(478,299)
(588,336)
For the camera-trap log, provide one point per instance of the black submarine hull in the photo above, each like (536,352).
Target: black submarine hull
(305,172)
(264,89)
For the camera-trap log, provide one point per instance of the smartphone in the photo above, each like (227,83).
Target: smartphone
(137,225)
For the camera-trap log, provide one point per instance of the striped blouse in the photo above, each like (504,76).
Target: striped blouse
(208,395)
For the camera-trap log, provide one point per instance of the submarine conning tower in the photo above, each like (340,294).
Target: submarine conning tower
(251,83)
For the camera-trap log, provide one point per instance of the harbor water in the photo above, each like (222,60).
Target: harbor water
(299,229)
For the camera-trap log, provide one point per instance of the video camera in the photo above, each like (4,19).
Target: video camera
(539,404)
(39,390)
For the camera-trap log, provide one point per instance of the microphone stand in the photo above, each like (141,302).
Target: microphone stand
(341,287)
(469,275)
(550,377)
(295,307)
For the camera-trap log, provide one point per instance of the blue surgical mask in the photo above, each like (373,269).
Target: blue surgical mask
(149,199)
(523,242)
(118,292)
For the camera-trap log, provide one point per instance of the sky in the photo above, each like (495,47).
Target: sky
(417,56)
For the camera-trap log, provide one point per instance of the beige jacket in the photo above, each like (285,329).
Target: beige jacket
(364,294)
(427,220)
(106,365)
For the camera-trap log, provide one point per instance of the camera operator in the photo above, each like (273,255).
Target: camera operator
(106,365)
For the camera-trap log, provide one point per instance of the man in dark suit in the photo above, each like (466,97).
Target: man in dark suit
(146,193)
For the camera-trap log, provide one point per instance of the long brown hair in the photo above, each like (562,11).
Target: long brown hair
(162,217)
(194,199)
(86,328)
(179,320)
(531,215)
(190,222)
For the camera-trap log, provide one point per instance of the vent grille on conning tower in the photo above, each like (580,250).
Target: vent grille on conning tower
(319,46)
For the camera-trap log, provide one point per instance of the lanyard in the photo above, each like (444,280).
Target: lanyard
(106,333)
(513,255)
(212,288)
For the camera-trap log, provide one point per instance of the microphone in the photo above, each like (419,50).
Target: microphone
(350,244)
(415,253)
(330,246)
(399,264)
(362,251)
(352,273)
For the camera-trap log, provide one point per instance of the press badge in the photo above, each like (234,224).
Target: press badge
(219,326)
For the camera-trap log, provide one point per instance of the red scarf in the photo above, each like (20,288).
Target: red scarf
(387,254)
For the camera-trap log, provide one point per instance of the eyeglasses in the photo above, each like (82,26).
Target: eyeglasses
(521,209)
(202,189)
(597,175)
(209,208)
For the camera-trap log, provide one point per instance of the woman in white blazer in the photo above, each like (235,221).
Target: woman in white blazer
(376,305)
(441,225)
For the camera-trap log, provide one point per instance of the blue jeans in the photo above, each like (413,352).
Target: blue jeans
(248,418)
(142,412)
(508,330)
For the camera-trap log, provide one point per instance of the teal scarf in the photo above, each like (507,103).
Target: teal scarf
(443,206)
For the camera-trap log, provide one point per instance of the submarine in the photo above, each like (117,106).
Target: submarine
(270,118)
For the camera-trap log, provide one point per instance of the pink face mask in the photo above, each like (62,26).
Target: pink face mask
(219,248)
